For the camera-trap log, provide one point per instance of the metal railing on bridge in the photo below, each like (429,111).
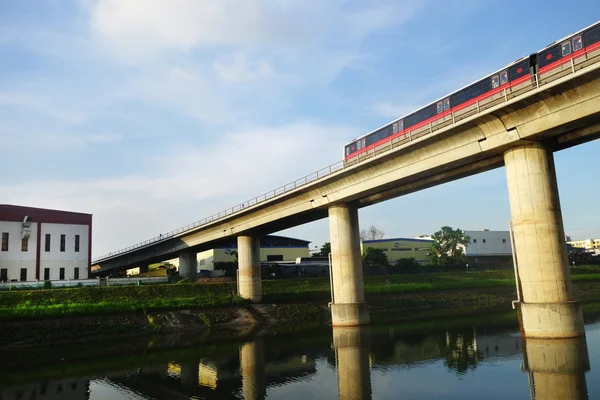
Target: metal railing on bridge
(567,67)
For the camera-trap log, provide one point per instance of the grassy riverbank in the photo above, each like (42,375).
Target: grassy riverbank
(33,304)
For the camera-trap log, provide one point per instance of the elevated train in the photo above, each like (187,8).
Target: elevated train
(512,78)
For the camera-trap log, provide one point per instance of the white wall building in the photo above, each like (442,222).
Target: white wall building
(41,244)
(488,243)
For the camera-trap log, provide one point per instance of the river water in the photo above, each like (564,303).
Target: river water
(466,358)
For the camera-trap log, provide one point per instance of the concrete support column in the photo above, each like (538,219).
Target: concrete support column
(557,368)
(252,369)
(547,307)
(249,280)
(352,359)
(188,264)
(349,307)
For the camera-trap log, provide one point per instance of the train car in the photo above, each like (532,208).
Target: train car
(510,80)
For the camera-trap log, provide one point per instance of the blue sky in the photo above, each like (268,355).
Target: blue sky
(154,114)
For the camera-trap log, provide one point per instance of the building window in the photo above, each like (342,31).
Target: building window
(47,243)
(503,240)
(62,273)
(483,240)
(202,261)
(76,273)
(474,240)
(46,274)
(24,244)
(23,274)
(4,275)
(63,239)
(4,241)
(275,257)
(76,243)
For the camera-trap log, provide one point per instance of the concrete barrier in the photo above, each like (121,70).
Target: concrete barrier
(135,281)
(41,284)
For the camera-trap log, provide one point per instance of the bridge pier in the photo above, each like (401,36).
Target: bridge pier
(352,359)
(144,268)
(188,264)
(249,279)
(348,307)
(547,307)
(252,370)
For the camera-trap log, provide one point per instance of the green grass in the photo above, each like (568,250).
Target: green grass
(105,300)
(84,301)
(318,288)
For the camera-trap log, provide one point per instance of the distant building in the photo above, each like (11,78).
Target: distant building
(272,248)
(489,249)
(397,248)
(42,244)
(587,244)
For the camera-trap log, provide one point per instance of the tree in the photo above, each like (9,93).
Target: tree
(371,234)
(448,246)
(234,254)
(375,258)
(325,250)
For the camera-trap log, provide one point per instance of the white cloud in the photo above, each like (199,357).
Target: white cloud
(189,183)
(226,60)
(142,28)
(40,105)
(188,91)
(237,68)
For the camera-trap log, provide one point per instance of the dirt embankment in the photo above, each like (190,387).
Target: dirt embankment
(249,319)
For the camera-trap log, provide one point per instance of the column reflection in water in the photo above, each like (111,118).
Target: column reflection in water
(189,374)
(556,368)
(352,359)
(252,369)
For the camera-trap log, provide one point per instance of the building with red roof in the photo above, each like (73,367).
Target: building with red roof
(42,244)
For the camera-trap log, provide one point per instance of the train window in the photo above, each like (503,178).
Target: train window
(566,48)
(400,125)
(549,56)
(577,43)
(420,116)
(347,150)
(364,143)
(503,77)
(395,128)
(519,70)
(446,104)
(439,107)
(592,36)
(495,81)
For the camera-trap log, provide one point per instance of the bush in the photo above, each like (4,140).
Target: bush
(405,266)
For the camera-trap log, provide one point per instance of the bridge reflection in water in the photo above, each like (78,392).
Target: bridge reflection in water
(349,363)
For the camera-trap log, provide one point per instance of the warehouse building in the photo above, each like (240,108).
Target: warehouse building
(489,249)
(272,248)
(486,250)
(397,248)
(42,244)
(587,244)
